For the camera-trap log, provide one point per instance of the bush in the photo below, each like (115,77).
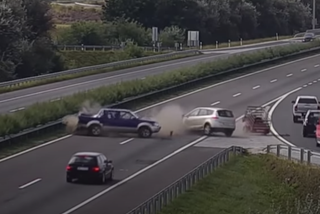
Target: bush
(42,113)
(77,59)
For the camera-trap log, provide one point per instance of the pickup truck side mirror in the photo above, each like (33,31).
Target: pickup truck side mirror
(293,102)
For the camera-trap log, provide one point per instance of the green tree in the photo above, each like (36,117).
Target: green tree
(170,35)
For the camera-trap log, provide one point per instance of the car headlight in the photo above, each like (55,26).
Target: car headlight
(156,124)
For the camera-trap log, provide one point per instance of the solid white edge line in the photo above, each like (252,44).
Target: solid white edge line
(273,130)
(167,101)
(30,183)
(150,166)
(126,141)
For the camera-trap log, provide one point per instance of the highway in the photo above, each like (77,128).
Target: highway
(35,182)
(21,99)
(282,116)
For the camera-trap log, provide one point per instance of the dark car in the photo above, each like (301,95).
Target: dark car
(89,166)
(310,123)
(308,37)
(117,120)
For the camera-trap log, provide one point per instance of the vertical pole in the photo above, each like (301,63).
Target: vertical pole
(314,15)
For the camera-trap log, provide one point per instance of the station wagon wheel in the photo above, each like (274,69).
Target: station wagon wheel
(207,129)
(95,130)
(144,132)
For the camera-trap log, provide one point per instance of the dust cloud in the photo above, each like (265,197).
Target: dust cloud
(170,119)
(71,121)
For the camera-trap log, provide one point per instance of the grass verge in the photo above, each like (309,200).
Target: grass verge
(245,185)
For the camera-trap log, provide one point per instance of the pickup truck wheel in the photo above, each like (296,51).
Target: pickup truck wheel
(304,133)
(95,130)
(295,119)
(144,132)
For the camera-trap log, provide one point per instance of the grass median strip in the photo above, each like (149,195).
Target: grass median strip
(42,113)
(251,184)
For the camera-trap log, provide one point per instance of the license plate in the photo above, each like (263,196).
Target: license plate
(83,168)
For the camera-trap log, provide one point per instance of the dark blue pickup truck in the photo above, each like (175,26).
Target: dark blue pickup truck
(117,120)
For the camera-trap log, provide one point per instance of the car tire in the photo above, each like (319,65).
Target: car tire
(317,144)
(95,130)
(103,179)
(295,119)
(69,180)
(111,176)
(228,133)
(304,133)
(207,129)
(145,132)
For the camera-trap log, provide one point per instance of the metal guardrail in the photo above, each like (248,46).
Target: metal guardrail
(97,67)
(130,102)
(111,47)
(167,195)
(294,153)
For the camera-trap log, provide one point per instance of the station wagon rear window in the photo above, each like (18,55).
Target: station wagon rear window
(307,101)
(225,113)
(86,160)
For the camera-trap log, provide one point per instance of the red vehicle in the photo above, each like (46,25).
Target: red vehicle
(256,120)
(318,133)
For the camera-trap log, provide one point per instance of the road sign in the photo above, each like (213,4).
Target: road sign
(155,36)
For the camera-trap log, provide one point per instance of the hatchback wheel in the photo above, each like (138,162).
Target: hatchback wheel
(103,178)
(207,129)
(69,180)
(144,132)
(111,176)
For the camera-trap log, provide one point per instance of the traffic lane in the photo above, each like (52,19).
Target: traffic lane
(283,124)
(55,195)
(37,163)
(241,89)
(126,197)
(15,100)
(23,98)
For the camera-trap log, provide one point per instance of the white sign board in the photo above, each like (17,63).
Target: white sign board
(193,38)
(155,36)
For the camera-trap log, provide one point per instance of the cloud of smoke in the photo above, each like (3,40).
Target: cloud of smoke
(170,119)
(71,121)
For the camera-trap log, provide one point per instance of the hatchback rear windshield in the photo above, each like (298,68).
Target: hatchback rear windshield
(225,113)
(307,100)
(86,160)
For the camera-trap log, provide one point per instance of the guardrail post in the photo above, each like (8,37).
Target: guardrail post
(268,149)
(240,41)
(301,155)
(309,154)
(217,44)
(229,43)
(289,152)
(278,150)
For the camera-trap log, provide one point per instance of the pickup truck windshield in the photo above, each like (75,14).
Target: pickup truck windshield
(307,101)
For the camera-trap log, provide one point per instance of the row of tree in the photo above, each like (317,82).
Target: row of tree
(26,48)
(217,20)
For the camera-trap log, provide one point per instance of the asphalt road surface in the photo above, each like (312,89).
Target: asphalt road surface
(35,182)
(13,101)
(282,116)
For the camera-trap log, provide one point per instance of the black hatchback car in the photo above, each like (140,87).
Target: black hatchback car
(89,166)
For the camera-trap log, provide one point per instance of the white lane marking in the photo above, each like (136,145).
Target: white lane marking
(256,87)
(215,103)
(89,200)
(127,141)
(314,81)
(303,70)
(319,79)
(305,86)
(274,80)
(310,83)
(54,100)
(167,101)
(289,75)
(30,183)
(236,95)
(163,66)
(274,132)
(316,66)
(18,109)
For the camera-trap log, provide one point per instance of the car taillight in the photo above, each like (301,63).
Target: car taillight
(96,169)
(215,118)
(68,167)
